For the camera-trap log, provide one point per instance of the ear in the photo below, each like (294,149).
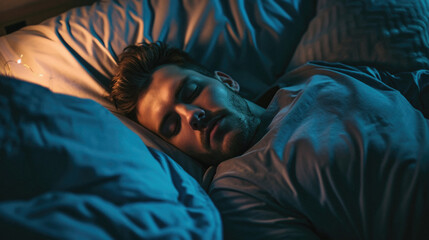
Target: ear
(227,80)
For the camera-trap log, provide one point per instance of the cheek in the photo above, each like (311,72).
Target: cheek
(186,140)
(216,96)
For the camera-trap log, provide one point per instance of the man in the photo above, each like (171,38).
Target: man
(338,153)
(196,110)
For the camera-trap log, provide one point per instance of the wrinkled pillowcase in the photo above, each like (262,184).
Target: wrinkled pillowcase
(388,34)
(75,53)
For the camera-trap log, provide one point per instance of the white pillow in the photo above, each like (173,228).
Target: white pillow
(75,53)
(389,34)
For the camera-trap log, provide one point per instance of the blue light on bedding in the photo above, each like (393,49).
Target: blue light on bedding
(69,169)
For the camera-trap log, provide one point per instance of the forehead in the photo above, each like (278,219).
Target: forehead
(154,102)
(168,71)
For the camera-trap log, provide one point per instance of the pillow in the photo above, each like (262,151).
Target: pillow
(389,34)
(75,53)
(70,169)
(251,40)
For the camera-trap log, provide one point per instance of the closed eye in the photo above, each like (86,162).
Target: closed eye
(171,126)
(189,92)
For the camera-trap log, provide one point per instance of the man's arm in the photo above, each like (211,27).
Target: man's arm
(414,86)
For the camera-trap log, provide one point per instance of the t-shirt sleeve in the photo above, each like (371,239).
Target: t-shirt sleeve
(414,86)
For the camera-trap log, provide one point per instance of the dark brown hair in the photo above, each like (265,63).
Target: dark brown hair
(136,65)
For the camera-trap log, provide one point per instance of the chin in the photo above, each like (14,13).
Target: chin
(234,145)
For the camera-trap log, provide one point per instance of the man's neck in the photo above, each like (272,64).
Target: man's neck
(265,117)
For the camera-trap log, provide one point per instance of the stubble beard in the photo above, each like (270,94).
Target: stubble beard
(247,123)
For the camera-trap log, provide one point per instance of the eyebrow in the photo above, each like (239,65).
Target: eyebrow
(179,88)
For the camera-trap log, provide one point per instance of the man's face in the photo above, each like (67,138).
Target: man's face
(202,116)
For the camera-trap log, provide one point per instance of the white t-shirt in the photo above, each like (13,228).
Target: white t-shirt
(345,157)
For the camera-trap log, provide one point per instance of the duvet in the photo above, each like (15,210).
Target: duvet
(69,169)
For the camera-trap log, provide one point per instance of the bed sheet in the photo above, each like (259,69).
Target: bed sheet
(345,157)
(75,53)
(69,169)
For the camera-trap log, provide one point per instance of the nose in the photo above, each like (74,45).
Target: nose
(194,115)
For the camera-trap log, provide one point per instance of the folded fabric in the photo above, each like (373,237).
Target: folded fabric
(69,169)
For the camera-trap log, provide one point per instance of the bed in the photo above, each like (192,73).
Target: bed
(71,167)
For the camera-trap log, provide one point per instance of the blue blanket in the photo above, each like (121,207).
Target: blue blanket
(69,169)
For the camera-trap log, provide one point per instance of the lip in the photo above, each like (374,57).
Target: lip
(211,129)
